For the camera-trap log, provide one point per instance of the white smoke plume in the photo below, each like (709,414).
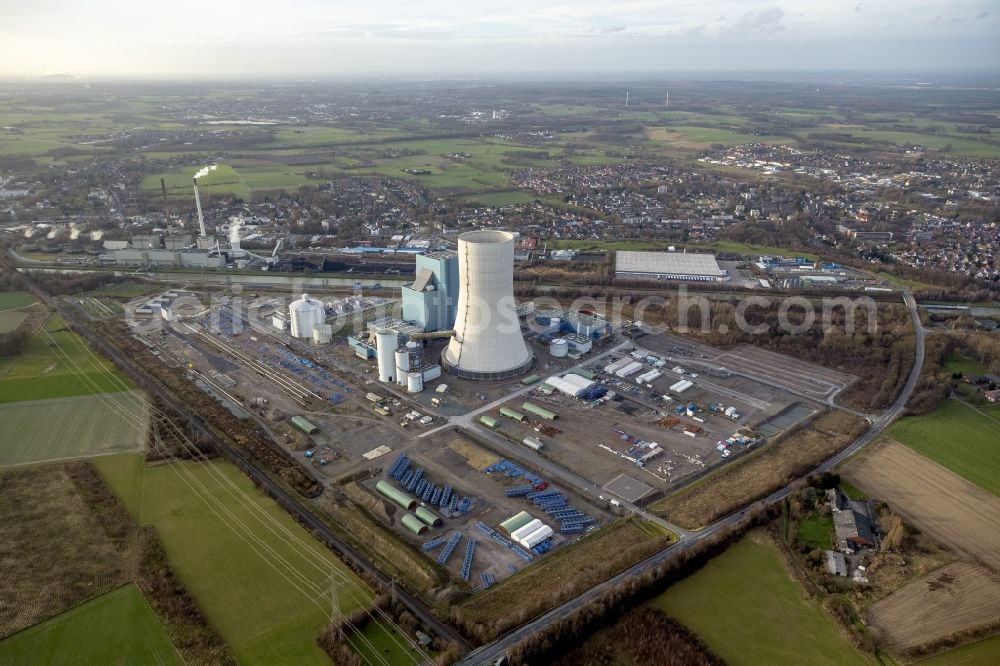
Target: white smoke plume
(234,230)
(204,171)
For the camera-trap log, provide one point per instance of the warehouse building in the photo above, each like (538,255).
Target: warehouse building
(668,266)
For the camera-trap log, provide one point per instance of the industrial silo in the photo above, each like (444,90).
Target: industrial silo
(386,340)
(305,315)
(414,382)
(323,334)
(487,343)
(558,348)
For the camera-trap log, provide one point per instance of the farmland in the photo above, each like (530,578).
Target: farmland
(756,475)
(45,371)
(748,610)
(932,607)
(117,627)
(260,579)
(981,653)
(62,428)
(12,300)
(45,526)
(952,511)
(959,438)
(941,503)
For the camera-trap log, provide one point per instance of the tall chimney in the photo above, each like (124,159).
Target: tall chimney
(197,202)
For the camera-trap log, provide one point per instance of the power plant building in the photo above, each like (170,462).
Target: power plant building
(431,301)
(487,343)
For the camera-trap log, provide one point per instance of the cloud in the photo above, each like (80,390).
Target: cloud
(765,20)
(614,28)
(858,8)
(981,15)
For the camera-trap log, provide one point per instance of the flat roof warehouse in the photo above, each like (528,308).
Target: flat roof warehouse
(668,266)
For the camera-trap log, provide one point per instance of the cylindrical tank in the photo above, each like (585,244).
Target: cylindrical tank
(385,351)
(487,343)
(402,361)
(323,334)
(416,353)
(555,324)
(304,315)
(414,382)
(558,348)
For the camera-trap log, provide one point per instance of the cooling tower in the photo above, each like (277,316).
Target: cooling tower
(487,343)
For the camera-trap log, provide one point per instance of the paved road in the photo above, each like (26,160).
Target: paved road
(488,653)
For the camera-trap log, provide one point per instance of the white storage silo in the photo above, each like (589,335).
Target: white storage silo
(385,351)
(555,324)
(414,382)
(323,334)
(487,343)
(558,348)
(304,315)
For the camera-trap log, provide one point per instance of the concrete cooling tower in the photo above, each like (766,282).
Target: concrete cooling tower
(487,343)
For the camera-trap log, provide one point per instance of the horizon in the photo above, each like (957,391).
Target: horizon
(116,39)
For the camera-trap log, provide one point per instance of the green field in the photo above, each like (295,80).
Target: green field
(756,250)
(957,437)
(116,628)
(745,606)
(80,426)
(11,300)
(42,371)
(381,640)
(955,364)
(981,653)
(816,531)
(266,593)
(497,199)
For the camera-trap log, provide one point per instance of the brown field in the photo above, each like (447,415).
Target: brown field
(942,504)
(756,476)
(53,552)
(475,456)
(560,575)
(955,597)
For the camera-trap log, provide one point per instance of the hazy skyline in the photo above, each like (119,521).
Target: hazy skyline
(314,38)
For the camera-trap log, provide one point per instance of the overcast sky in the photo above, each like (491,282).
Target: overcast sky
(254,38)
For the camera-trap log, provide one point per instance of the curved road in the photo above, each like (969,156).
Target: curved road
(492,651)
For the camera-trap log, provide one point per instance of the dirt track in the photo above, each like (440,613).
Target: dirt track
(955,512)
(934,606)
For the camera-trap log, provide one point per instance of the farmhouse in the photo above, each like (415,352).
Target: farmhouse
(836,563)
(852,523)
